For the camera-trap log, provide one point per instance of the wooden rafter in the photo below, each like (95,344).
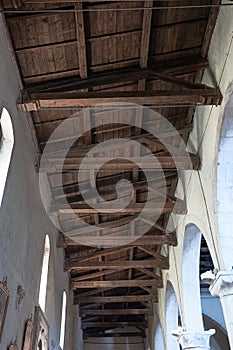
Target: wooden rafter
(178,207)
(186,162)
(170,68)
(92,276)
(113,284)
(37,101)
(113,335)
(117,299)
(117,312)
(119,240)
(142,324)
(115,264)
(80,29)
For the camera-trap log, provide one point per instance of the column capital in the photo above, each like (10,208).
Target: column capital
(189,340)
(222,285)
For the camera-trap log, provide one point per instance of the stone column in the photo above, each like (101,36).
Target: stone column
(194,341)
(222,287)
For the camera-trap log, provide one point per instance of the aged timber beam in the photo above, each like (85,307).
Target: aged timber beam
(60,100)
(92,275)
(117,312)
(163,259)
(156,282)
(178,207)
(187,161)
(81,42)
(116,264)
(92,334)
(170,67)
(65,241)
(116,299)
(90,254)
(142,324)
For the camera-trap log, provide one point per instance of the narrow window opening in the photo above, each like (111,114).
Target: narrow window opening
(6,147)
(63,321)
(44,274)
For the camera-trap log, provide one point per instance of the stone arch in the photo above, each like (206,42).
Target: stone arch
(158,339)
(191,279)
(171,317)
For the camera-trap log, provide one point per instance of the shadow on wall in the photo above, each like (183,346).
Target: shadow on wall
(220,339)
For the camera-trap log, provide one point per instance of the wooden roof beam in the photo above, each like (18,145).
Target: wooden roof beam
(178,207)
(170,67)
(87,324)
(113,335)
(38,101)
(116,299)
(113,265)
(80,30)
(97,254)
(155,239)
(92,276)
(186,161)
(117,312)
(115,283)
(163,259)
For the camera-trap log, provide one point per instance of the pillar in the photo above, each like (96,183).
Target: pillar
(194,341)
(222,287)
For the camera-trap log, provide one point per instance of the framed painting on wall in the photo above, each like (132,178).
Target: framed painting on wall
(28,335)
(41,331)
(4,300)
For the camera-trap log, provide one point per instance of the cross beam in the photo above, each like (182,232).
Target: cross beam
(61,100)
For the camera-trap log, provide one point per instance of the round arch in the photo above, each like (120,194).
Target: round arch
(190,277)
(158,339)
(171,317)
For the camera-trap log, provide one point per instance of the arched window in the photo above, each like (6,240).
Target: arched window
(6,147)
(63,321)
(44,274)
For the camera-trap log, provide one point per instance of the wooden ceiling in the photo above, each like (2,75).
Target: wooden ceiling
(78,54)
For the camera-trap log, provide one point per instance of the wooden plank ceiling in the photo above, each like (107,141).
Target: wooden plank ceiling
(77,54)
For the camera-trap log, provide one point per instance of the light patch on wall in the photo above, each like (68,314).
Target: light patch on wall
(6,147)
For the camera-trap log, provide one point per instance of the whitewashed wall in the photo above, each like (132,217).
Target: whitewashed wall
(23,225)
(136,343)
(200,188)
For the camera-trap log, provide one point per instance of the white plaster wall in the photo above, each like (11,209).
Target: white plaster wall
(199,188)
(23,225)
(123,343)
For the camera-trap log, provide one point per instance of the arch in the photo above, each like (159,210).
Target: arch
(171,317)
(44,274)
(6,148)
(158,341)
(191,279)
(225,187)
(63,321)
(220,337)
